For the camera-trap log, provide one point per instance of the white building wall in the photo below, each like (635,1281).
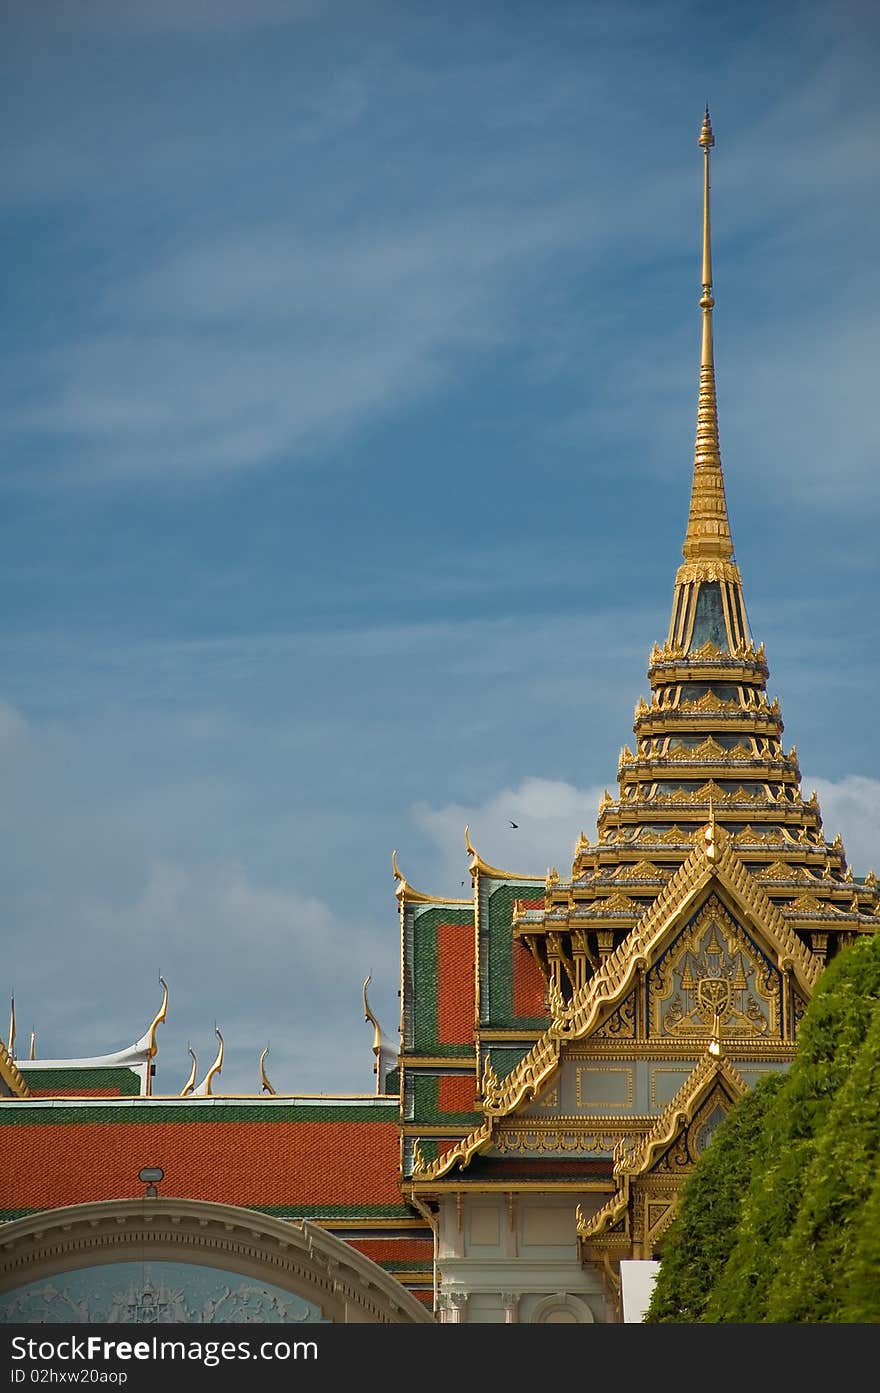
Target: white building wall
(512,1258)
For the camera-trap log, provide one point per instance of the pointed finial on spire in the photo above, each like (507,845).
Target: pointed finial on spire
(708,531)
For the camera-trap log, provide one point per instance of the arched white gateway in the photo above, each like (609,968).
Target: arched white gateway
(178,1260)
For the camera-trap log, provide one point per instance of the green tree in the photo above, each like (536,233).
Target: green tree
(813,1279)
(703,1232)
(831,1034)
(861,1303)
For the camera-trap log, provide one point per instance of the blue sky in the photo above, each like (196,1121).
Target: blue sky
(346,430)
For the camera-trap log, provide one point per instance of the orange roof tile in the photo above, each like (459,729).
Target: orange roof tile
(46,1164)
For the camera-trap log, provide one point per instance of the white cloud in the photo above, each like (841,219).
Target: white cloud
(237,354)
(267,964)
(851,807)
(549,815)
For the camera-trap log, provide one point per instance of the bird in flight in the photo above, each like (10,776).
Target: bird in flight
(513,824)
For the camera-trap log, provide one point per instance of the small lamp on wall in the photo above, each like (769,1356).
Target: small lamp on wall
(150,1176)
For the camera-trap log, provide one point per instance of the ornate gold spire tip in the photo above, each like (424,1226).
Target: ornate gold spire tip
(708,535)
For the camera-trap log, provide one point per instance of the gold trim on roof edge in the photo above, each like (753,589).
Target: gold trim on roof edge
(712,858)
(676,1115)
(12,1075)
(406,893)
(494,872)
(708,571)
(462,1151)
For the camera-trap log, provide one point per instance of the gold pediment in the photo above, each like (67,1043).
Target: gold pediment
(805,903)
(708,749)
(742,752)
(713,981)
(676,652)
(639,870)
(671,838)
(659,1216)
(779,870)
(709,702)
(747,836)
(615,903)
(712,860)
(714,1078)
(751,836)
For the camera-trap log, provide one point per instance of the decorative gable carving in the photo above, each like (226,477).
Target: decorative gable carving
(714,978)
(649,1175)
(738,978)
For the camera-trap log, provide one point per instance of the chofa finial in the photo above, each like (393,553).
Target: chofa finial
(264,1078)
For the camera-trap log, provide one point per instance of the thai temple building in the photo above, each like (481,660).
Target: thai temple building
(567,1044)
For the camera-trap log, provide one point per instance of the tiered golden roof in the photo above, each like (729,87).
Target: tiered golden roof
(708,748)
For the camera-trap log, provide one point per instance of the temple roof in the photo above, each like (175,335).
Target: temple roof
(708,747)
(319,1157)
(629,1164)
(713,863)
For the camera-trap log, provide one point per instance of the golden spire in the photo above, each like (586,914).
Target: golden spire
(708,531)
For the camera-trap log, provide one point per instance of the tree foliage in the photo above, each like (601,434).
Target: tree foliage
(702,1234)
(813,1278)
(800,1192)
(861,1301)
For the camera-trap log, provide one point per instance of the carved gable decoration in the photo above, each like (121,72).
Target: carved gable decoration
(777,870)
(621,1024)
(809,904)
(615,904)
(693,1139)
(714,977)
(658,1216)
